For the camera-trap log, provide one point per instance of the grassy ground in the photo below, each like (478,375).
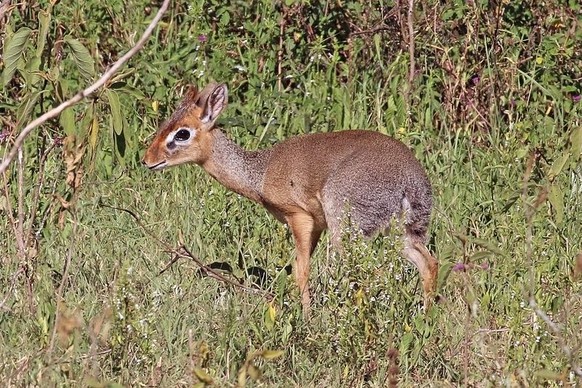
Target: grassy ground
(94,303)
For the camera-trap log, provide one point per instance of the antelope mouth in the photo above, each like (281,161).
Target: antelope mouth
(161,165)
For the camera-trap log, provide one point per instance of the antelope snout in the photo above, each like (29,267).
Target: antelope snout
(154,165)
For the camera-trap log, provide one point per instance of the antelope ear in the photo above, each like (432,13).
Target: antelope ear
(213,104)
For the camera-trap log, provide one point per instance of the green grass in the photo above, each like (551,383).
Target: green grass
(507,183)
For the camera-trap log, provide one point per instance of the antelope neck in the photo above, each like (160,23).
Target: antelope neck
(237,169)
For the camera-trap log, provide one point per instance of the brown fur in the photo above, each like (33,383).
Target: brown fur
(307,181)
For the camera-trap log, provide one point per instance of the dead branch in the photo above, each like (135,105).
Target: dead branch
(183,252)
(411,49)
(555,328)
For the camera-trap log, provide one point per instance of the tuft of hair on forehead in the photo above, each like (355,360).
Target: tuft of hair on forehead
(191,92)
(193,98)
(189,98)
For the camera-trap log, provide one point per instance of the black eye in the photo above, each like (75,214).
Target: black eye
(182,135)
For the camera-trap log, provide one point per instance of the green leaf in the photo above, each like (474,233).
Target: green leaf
(224,18)
(86,122)
(242,377)
(522,152)
(270,316)
(254,372)
(405,343)
(44,20)
(271,354)
(31,74)
(556,198)
(120,146)
(115,106)
(67,121)
(91,382)
(576,140)
(26,107)
(82,58)
(480,256)
(558,166)
(13,52)
(202,375)
(510,202)
(549,375)
(488,245)
(134,92)
(428,117)
(444,272)
(93,131)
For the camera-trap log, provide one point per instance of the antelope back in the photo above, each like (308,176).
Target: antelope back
(185,136)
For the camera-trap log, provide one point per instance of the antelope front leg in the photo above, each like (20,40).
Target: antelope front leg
(306,238)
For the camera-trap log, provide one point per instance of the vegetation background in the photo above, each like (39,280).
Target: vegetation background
(487,94)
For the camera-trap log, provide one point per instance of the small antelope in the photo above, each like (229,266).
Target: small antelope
(307,181)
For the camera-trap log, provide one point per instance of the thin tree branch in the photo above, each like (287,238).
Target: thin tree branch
(13,278)
(4,6)
(84,93)
(411,47)
(34,207)
(280,50)
(530,211)
(562,343)
(20,206)
(62,285)
(217,276)
(184,252)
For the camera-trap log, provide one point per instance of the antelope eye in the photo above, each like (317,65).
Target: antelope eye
(182,135)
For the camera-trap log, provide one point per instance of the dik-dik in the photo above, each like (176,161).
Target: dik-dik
(308,181)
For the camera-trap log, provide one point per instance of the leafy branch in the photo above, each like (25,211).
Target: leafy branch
(83,93)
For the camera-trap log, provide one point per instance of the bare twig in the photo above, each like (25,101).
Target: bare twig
(13,278)
(530,210)
(4,6)
(84,93)
(374,30)
(217,276)
(9,210)
(99,353)
(555,328)
(411,49)
(19,227)
(64,280)
(19,241)
(33,209)
(280,50)
(184,252)
(192,354)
